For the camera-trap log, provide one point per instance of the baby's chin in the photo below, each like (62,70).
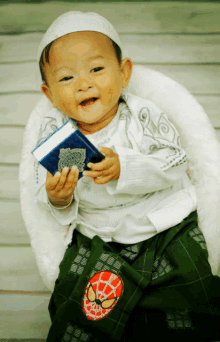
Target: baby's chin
(87,121)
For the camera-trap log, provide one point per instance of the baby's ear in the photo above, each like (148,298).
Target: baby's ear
(46,91)
(126,69)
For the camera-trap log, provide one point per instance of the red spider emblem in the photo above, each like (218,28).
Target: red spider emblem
(101,294)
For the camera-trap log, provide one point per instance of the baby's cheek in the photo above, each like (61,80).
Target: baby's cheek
(65,94)
(66,105)
(105,81)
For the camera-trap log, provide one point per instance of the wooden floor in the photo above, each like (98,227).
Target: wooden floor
(180,39)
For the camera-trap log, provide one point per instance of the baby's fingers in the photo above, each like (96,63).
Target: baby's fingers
(72,178)
(52,181)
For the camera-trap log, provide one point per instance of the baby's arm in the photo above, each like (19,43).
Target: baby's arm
(60,187)
(156,160)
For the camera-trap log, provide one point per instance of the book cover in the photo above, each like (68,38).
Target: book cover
(67,146)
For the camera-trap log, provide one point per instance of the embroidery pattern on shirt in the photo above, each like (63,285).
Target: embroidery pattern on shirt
(86,184)
(160,135)
(69,157)
(36,171)
(49,125)
(172,162)
(101,138)
(125,114)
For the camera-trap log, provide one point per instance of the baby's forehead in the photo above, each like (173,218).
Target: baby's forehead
(95,39)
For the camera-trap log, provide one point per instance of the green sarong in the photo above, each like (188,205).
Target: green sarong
(157,289)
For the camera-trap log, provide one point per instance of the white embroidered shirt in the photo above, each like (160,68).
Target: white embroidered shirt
(153,192)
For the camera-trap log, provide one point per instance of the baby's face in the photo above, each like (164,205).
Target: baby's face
(83,66)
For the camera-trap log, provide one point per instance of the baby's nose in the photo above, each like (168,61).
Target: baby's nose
(84,86)
(84,82)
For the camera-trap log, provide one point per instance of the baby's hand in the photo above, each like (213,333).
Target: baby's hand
(108,169)
(60,187)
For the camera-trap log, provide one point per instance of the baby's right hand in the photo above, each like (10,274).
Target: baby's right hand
(61,187)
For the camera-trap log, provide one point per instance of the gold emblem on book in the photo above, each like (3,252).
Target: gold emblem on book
(69,157)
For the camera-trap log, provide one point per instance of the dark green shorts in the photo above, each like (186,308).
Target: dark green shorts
(158,289)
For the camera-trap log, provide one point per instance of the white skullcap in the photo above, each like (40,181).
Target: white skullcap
(76,21)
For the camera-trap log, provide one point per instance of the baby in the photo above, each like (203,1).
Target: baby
(89,94)
(134,263)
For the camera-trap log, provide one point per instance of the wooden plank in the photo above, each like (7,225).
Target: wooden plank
(12,227)
(217,131)
(172,48)
(211,105)
(17,48)
(140,48)
(172,17)
(198,79)
(11,144)
(19,77)
(15,109)
(24,316)
(18,270)
(9,185)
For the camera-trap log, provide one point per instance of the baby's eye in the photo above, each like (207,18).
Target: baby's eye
(67,78)
(97,69)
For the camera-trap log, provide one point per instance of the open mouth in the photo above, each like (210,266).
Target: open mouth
(89,102)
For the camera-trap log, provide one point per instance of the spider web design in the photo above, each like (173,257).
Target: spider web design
(107,286)
(161,267)
(75,334)
(179,320)
(197,235)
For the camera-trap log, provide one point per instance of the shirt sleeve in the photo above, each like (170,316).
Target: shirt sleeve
(63,216)
(156,160)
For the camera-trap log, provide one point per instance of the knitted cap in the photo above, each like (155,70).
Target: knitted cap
(76,21)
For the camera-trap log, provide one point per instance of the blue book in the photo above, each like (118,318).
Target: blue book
(67,146)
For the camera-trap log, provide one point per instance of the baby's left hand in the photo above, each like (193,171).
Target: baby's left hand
(108,169)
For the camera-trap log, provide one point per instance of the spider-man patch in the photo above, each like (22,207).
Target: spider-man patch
(102,293)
